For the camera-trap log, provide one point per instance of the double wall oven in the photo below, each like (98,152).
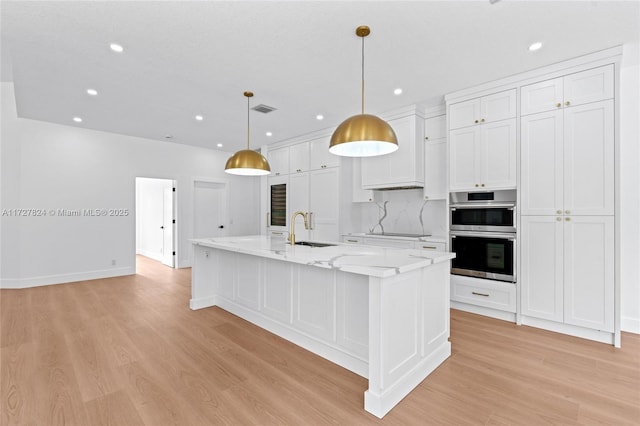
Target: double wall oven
(483,234)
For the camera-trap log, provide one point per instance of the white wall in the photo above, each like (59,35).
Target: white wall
(630,188)
(49,166)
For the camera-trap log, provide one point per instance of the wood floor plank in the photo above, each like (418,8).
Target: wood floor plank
(129,351)
(113,409)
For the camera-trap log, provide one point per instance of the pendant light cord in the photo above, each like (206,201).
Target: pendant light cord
(248,122)
(362,75)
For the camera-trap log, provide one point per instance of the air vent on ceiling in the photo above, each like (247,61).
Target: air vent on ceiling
(265,109)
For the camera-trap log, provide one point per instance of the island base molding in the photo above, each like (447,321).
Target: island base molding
(571,330)
(379,405)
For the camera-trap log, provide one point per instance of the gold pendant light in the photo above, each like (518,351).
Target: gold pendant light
(363,135)
(247,162)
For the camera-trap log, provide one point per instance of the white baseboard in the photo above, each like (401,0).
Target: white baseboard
(571,330)
(630,325)
(17,283)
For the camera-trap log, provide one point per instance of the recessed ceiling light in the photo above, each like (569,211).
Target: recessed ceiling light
(319,117)
(397,91)
(168,136)
(269,134)
(219,145)
(535,46)
(116,47)
(199,117)
(92,92)
(77,119)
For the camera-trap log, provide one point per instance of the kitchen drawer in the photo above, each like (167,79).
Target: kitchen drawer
(350,239)
(491,294)
(429,245)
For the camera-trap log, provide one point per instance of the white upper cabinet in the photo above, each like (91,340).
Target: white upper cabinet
(567,161)
(487,109)
(279,161)
(319,155)
(572,90)
(435,127)
(299,157)
(483,157)
(404,167)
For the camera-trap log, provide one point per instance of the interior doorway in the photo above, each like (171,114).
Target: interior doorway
(155,219)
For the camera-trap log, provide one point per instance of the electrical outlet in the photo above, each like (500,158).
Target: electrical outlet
(206,254)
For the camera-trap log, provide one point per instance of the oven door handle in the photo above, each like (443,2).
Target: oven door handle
(510,237)
(509,206)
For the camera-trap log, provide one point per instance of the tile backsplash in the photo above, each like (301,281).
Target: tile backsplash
(406,212)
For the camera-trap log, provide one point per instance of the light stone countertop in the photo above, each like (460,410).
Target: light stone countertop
(358,259)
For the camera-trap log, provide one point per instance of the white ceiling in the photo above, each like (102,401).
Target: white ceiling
(184,58)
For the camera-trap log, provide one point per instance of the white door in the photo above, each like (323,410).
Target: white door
(541,274)
(541,142)
(209,209)
(589,276)
(589,159)
(464,159)
(168,254)
(499,154)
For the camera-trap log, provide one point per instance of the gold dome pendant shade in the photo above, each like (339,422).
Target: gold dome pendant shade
(247,162)
(363,135)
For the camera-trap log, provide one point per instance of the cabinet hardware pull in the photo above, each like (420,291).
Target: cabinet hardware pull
(476,185)
(268,221)
(277,173)
(426,138)
(567,103)
(479,294)
(429,247)
(567,212)
(277,233)
(482,120)
(567,219)
(558,105)
(559,211)
(476,121)
(310,220)
(482,185)
(559,219)
(352,241)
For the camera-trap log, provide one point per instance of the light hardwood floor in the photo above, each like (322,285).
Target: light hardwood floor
(129,351)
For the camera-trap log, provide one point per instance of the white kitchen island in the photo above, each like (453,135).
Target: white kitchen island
(380,312)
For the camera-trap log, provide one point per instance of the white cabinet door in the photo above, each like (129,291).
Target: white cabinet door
(543,96)
(435,169)
(588,86)
(541,147)
(572,90)
(589,159)
(299,201)
(464,158)
(279,161)
(464,114)
(324,204)
(487,109)
(404,167)
(498,106)
(589,276)
(435,127)
(541,275)
(498,155)
(319,155)
(299,157)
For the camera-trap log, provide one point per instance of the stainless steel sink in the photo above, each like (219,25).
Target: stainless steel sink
(313,244)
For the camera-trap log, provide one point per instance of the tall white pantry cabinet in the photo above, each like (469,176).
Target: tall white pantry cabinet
(566,177)
(567,199)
